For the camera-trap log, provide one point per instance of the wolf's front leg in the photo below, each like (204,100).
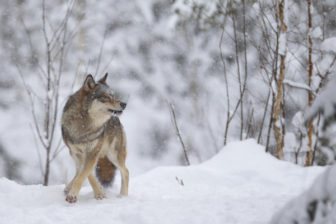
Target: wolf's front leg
(71,195)
(89,164)
(77,158)
(68,187)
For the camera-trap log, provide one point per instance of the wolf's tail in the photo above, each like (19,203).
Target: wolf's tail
(105,171)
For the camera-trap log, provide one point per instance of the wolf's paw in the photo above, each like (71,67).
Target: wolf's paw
(71,198)
(122,195)
(100,195)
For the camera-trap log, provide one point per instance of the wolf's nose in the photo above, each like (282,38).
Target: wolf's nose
(123,105)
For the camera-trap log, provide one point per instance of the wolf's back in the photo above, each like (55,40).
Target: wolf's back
(105,171)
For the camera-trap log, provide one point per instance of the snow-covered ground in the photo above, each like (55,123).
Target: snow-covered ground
(242,184)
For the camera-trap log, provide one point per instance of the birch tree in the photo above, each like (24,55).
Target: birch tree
(279,103)
(310,92)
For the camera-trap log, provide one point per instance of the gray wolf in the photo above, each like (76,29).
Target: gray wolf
(95,137)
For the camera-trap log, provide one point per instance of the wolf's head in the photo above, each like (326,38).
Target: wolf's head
(102,101)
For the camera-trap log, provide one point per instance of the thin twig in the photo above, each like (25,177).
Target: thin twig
(173,116)
(30,97)
(228,115)
(100,53)
(38,151)
(241,93)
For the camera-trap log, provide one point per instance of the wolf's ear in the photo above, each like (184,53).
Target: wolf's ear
(89,83)
(103,80)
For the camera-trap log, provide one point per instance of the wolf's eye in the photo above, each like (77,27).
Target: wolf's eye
(104,98)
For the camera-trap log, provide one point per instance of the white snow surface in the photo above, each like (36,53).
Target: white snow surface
(316,205)
(241,184)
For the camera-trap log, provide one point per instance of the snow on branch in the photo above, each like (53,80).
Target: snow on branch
(297,85)
(282,43)
(324,103)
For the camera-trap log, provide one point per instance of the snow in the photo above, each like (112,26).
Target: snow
(241,184)
(316,205)
(297,85)
(283,44)
(298,120)
(317,33)
(325,102)
(329,44)
(290,142)
(145,8)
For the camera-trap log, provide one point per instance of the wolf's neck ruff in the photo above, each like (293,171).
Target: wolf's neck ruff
(87,137)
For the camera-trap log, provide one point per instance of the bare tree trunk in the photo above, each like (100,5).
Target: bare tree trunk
(250,131)
(317,136)
(271,121)
(245,69)
(228,113)
(274,77)
(48,98)
(277,118)
(297,152)
(229,116)
(47,168)
(239,77)
(264,116)
(310,94)
(278,123)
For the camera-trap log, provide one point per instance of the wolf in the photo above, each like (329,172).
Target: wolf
(92,131)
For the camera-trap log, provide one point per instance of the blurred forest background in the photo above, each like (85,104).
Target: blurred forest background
(232,70)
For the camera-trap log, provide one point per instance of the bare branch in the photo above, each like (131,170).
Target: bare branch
(241,88)
(32,107)
(100,53)
(173,116)
(38,151)
(228,119)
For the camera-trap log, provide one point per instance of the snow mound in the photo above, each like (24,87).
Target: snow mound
(242,184)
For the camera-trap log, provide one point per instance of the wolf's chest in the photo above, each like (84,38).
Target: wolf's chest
(101,145)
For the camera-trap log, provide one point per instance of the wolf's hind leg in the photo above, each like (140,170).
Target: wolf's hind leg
(97,188)
(120,164)
(124,181)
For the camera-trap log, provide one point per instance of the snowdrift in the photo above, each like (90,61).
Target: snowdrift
(316,205)
(242,184)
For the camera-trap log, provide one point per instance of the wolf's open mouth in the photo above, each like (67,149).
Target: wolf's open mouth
(115,112)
